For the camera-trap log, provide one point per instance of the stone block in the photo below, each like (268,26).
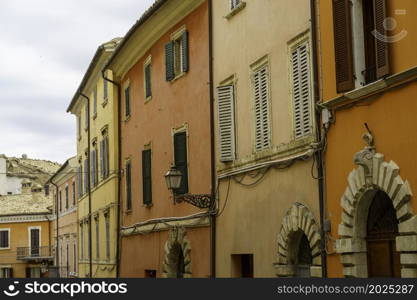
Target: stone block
(409,226)
(316,271)
(409,273)
(406,243)
(408,258)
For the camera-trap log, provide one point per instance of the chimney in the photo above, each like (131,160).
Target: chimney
(26,186)
(24,156)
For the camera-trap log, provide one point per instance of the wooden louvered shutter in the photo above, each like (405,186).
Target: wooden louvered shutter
(86,180)
(343,45)
(381,46)
(127,101)
(185,52)
(106,157)
(225,96)
(80,181)
(169,61)
(301,91)
(92,163)
(181,162)
(262,123)
(102,158)
(128,186)
(148,84)
(147,177)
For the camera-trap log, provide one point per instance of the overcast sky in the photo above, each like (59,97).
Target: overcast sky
(45,48)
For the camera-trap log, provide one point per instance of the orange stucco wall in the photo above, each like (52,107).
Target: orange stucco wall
(391,116)
(151,122)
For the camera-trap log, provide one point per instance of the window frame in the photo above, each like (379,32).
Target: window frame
(8,238)
(147,64)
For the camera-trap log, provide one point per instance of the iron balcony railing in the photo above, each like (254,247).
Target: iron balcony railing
(34,253)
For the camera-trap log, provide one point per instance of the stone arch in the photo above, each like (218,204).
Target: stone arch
(371,175)
(297,221)
(177,241)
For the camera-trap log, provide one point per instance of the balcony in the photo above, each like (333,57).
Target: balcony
(34,254)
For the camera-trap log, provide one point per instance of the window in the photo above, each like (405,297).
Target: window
(301,90)
(181,161)
(107,223)
(86,179)
(73,193)
(96,219)
(234,4)
(80,180)
(94,166)
(360,58)
(95,102)
(105,90)
(6,272)
(226,115)
(75,257)
(60,200)
(35,241)
(147,77)
(87,116)
(262,109)
(4,238)
(242,266)
(46,190)
(127,102)
(128,186)
(79,127)
(82,240)
(104,157)
(147,176)
(87,222)
(176,55)
(66,197)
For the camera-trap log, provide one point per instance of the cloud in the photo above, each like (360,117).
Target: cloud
(46,48)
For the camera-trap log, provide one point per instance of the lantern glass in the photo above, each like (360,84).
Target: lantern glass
(173,178)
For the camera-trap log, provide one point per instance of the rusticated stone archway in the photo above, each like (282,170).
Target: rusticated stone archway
(374,174)
(297,222)
(177,242)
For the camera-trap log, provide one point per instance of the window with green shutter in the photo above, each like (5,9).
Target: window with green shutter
(169,61)
(147,176)
(148,82)
(177,55)
(127,101)
(128,186)
(181,160)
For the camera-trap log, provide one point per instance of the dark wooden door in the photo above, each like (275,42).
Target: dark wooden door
(382,228)
(34,242)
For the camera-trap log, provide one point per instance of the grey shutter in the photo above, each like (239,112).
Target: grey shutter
(87,115)
(169,61)
(147,177)
(185,52)
(86,180)
(262,124)
(226,123)
(301,91)
(105,89)
(148,84)
(181,162)
(80,181)
(102,158)
(92,163)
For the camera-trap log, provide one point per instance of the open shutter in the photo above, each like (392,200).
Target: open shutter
(301,91)
(343,45)
(225,96)
(181,162)
(262,129)
(185,52)
(147,177)
(381,46)
(169,61)
(148,87)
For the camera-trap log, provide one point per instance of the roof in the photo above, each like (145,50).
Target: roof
(69,162)
(145,16)
(24,204)
(112,44)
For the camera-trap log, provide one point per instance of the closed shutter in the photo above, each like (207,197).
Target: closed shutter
(80,181)
(169,61)
(185,52)
(93,170)
(225,96)
(95,101)
(181,163)
(147,177)
(106,156)
(301,90)
(86,181)
(343,45)
(128,186)
(102,159)
(127,101)
(105,89)
(381,46)
(262,126)
(87,115)
(148,84)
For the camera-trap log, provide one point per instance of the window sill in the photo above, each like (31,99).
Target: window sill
(147,205)
(235,10)
(5,248)
(148,99)
(180,75)
(127,118)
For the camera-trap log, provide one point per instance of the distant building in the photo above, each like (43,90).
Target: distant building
(25,218)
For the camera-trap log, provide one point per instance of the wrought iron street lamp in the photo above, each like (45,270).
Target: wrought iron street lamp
(173,180)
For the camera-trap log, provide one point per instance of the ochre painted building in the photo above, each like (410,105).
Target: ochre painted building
(162,68)
(368,72)
(95,107)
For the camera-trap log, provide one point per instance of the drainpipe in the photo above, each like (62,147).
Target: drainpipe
(90,250)
(119,174)
(213,159)
(57,226)
(319,153)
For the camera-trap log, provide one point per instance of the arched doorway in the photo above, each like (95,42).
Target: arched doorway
(177,262)
(301,258)
(382,229)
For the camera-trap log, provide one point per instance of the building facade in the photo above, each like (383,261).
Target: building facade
(368,74)
(63,185)
(95,107)
(162,70)
(268,221)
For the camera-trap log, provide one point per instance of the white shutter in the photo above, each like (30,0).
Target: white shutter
(225,96)
(262,123)
(301,91)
